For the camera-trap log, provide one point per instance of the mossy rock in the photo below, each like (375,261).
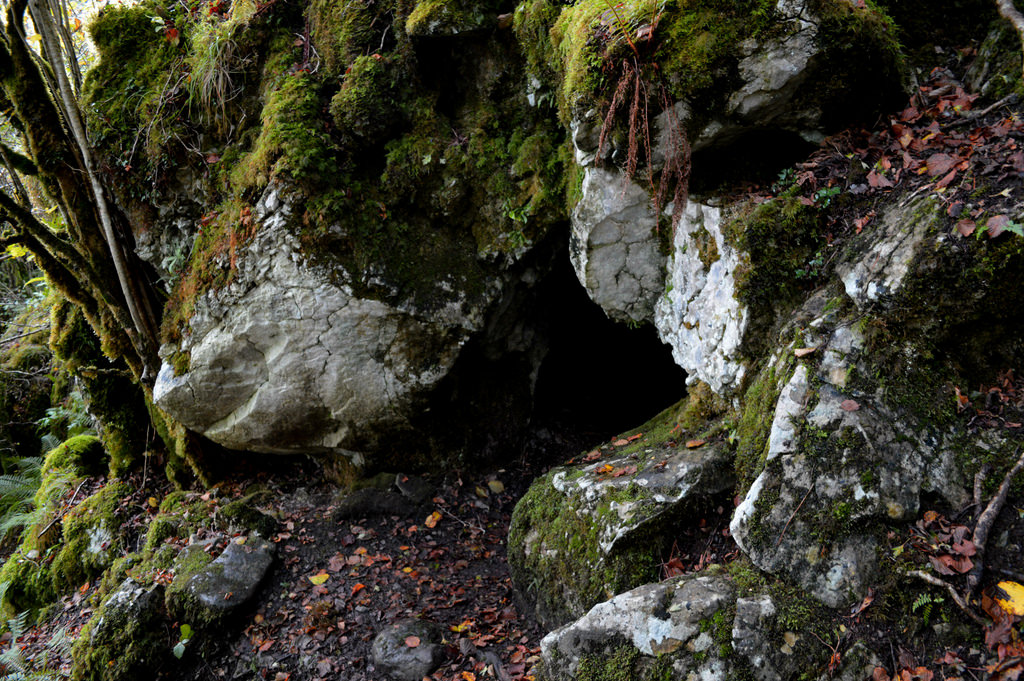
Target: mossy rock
(125,639)
(242,515)
(93,536)
(434,18)
(585,532)
(82,455)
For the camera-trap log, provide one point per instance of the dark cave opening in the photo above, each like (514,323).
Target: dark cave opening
(599,377)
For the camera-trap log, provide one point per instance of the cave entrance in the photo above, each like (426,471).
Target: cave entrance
(599,377)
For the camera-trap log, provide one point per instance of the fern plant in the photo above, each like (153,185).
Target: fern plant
(17,491)
(14,666)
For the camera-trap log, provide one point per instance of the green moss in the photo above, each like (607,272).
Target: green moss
(754,425)
(343,31)
(617,666)
(92,537)
(445,17)
(776,239)
(242,514)
(82,455)
(555,556)
(366,106)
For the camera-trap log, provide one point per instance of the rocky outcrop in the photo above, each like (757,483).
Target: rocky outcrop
(700,315)
(782,84)
(587,531)
(286,360)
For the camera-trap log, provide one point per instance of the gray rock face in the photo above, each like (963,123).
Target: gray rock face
(393,654)
(232,579)
(614,240)
(699,315)
(836,464)
(685,629)
(581,532)
(614,247)
(284,360)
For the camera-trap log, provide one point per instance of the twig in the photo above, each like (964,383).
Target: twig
(957,598)
(984,525)
(975,115)
(795,511)
(67,509)
(22,335)
(979,479)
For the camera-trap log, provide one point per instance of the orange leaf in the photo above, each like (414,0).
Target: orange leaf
(996,225)
(468,676)
(357,588)
(966,227)
(265,646)
(693,444)
(432,519)
(621,443)
(940,164)
(412,641)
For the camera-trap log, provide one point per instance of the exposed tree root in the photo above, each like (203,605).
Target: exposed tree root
(984,526)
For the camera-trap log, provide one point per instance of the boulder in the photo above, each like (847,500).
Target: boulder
(409,650)
(688,627)
(584,532)
(210,593)
(124,639)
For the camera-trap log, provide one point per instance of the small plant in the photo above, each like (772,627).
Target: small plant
(184,636)
(924,603)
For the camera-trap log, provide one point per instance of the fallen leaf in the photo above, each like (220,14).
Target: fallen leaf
(1010,597)
(996,225)
(319,578)
(496,486)
(693,444)
(621,443)
(803,352)
(265,646)
(468,676)
(940,164)
(357,588)
(849,405)
(605,469)
(482,492)
(966,227)
(432,519)
(412,641)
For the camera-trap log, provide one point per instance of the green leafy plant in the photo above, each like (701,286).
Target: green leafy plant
(185,635)
(924,603)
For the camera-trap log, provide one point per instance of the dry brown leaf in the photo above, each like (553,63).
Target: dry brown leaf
(803,352)
(693,444)
(849,405)
(412,641)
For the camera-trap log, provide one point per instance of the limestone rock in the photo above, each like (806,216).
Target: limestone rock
(393,654)
(700,315)
(584,533)
(614,246)
(688,627)
(285,360)
(230,580)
